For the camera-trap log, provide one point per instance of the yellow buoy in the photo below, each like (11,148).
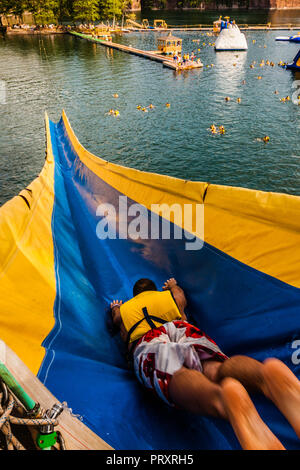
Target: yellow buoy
(116,95)
(168,105)
(266,138)
(227,98)
(239,100)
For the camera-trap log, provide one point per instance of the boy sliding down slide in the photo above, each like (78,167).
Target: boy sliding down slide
(187,369)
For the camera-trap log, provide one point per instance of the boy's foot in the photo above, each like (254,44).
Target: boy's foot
(251,431)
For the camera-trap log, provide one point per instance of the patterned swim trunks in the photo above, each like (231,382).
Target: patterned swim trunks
(164,350)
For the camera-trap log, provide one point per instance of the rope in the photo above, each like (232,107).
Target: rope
(9,408)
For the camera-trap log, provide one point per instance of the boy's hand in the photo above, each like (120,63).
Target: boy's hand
(116,303)
(170,283)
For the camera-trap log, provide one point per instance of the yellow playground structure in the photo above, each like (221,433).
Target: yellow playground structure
(129,23)
(169,45)
(157,24)
(217,25)
(160,24)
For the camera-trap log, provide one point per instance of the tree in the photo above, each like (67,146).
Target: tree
(112,9)
(18,7)
(5,6)
(86,10)
(44,11)
(65,11)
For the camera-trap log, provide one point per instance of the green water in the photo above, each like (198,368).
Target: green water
(250,17)
(56,72)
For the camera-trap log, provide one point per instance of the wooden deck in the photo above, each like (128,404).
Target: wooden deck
(152,55)
(77,435)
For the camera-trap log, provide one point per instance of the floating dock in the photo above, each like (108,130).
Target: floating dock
(243,27)
(152,55)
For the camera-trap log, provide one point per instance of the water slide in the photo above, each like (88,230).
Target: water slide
(58,277)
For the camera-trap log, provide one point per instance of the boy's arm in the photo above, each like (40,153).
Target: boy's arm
(117,319)
(178,294)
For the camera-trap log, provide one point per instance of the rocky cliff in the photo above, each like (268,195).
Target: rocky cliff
(217,5)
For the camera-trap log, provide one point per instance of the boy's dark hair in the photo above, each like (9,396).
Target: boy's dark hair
(143,285)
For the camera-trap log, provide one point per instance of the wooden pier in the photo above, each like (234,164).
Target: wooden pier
(152,55)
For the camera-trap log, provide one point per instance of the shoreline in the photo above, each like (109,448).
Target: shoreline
(286,27)
(30,32)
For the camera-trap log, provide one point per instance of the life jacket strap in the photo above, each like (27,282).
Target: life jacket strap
(150,320)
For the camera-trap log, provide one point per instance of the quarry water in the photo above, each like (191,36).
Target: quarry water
(51,73)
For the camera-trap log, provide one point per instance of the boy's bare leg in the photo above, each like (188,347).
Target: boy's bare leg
(251,431)
(272,378)
(283,388)
(192,391)
(245,369)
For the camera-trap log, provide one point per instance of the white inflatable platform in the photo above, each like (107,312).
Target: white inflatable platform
(231,39)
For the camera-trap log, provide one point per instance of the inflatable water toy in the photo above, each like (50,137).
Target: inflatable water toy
(221,129)
(57,278)
(231,39)
(295,65)
(294,38)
